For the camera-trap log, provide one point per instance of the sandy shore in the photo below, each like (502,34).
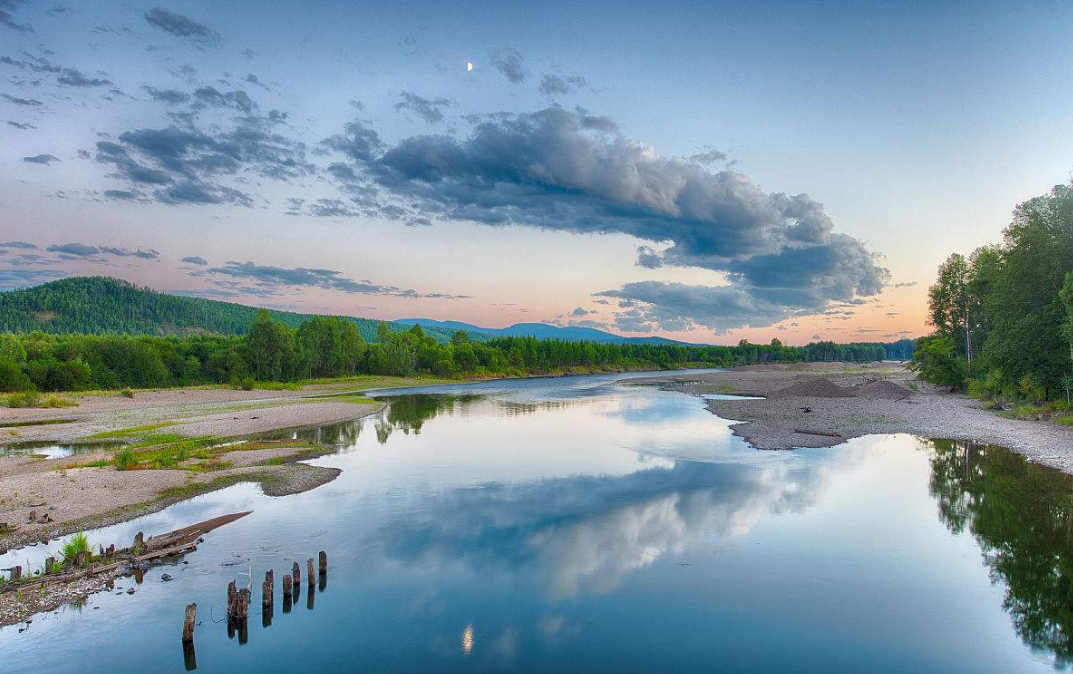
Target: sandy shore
(776,422)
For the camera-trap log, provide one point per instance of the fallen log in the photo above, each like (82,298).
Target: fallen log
(827,434)
(185,542)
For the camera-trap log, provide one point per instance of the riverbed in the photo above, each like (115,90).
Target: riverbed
(578,524)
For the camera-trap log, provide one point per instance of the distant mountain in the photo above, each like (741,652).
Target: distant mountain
(98,305)
(540,331)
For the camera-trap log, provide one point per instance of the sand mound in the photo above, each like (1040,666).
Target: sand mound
(816,387)
(882,389)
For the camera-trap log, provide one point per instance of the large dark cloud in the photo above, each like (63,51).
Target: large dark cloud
(511,64)
(8,8)
(274,279)
(181,26)
(430,110)
(571,171)
(185,165)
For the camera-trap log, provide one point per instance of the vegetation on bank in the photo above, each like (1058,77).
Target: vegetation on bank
(1003,317)
(331,346)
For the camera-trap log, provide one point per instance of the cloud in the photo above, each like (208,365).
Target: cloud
(12,279)
(274,279)
(511,64)
(72,77)
(181,26)
(20,245)
(209,97)
(184,165)
(168,96)
(560,85)
(195,259)
(570,171)
(580,311)
(7,15)
(82,250)
(910,284)
(123,195)
(21,101)
(45,159)
(708,157)
(648,258)
(20,125)
(31,63)
(426,109)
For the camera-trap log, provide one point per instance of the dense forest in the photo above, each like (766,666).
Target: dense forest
(331,346)
(1003,316)
(100,305)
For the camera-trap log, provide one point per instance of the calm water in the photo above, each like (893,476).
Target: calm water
(574,525)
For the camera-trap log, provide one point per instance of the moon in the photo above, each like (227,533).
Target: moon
(469,66)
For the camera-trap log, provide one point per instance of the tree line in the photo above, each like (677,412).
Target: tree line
(331,346)
(1003,316)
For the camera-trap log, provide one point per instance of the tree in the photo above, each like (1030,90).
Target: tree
(1066,295)
(949,302)
(270,348)
(935,360)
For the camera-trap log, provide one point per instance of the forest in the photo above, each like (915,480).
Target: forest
(331,346)
(1003,316)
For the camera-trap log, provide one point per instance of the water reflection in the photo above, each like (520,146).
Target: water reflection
(616,529)
(1021,514)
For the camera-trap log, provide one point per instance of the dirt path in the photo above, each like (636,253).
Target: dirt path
(776,421)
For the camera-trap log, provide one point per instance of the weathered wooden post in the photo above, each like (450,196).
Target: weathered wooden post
(111,550)
(266,591)
(310,578)
(189,656)
(80,560)
(188,623)
(16,573)
(50,562)
(296,574)
(243,603)
(286,587)
(139,542)
(323,563)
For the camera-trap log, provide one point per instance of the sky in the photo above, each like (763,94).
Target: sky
(704,171)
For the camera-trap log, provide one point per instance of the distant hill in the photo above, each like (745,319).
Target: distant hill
(540,331)
(102,305)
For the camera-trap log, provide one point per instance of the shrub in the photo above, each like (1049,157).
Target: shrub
(243,383)
(127,393)
(78,543)
(126,460)
(23,399)
(55,402)
(978,389)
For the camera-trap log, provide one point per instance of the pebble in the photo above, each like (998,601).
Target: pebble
(165,578)
(130,591)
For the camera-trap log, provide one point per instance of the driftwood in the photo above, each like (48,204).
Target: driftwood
(186,542)
(826,434)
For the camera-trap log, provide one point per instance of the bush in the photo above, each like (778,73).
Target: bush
(126,460)
(127,393)
(243,383)
(78,543)
(55,402)
(978,389)
(23,399)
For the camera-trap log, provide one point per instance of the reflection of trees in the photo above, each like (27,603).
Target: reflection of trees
(1021,514)
(408,413)
(343,434)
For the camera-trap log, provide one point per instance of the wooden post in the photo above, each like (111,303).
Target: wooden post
(139,542)
(266,592)
(188,623)
(111,550)
(80,560)
(231,597)
(16,572)
(49,563)
(323,562)
(296,574)
(310,578)
(243,603)
(286,587)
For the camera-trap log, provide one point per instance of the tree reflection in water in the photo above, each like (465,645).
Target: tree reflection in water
(1021,514)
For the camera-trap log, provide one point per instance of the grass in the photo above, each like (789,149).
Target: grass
(40,422)
(355,398)
(24,399)
(125,460)
(78,543)
(132,431)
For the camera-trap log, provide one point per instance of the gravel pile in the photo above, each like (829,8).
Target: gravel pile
(882,390)
(815,387)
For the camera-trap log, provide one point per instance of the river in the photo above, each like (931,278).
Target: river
(576,524)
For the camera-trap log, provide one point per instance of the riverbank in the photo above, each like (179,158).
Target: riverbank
(790,420)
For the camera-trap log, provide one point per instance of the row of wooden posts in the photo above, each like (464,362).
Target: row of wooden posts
(238,599)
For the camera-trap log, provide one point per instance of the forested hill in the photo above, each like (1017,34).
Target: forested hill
(101,305)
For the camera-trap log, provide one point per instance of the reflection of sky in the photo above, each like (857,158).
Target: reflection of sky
(575,536)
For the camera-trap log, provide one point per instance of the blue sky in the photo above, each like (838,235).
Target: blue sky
(709,171)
